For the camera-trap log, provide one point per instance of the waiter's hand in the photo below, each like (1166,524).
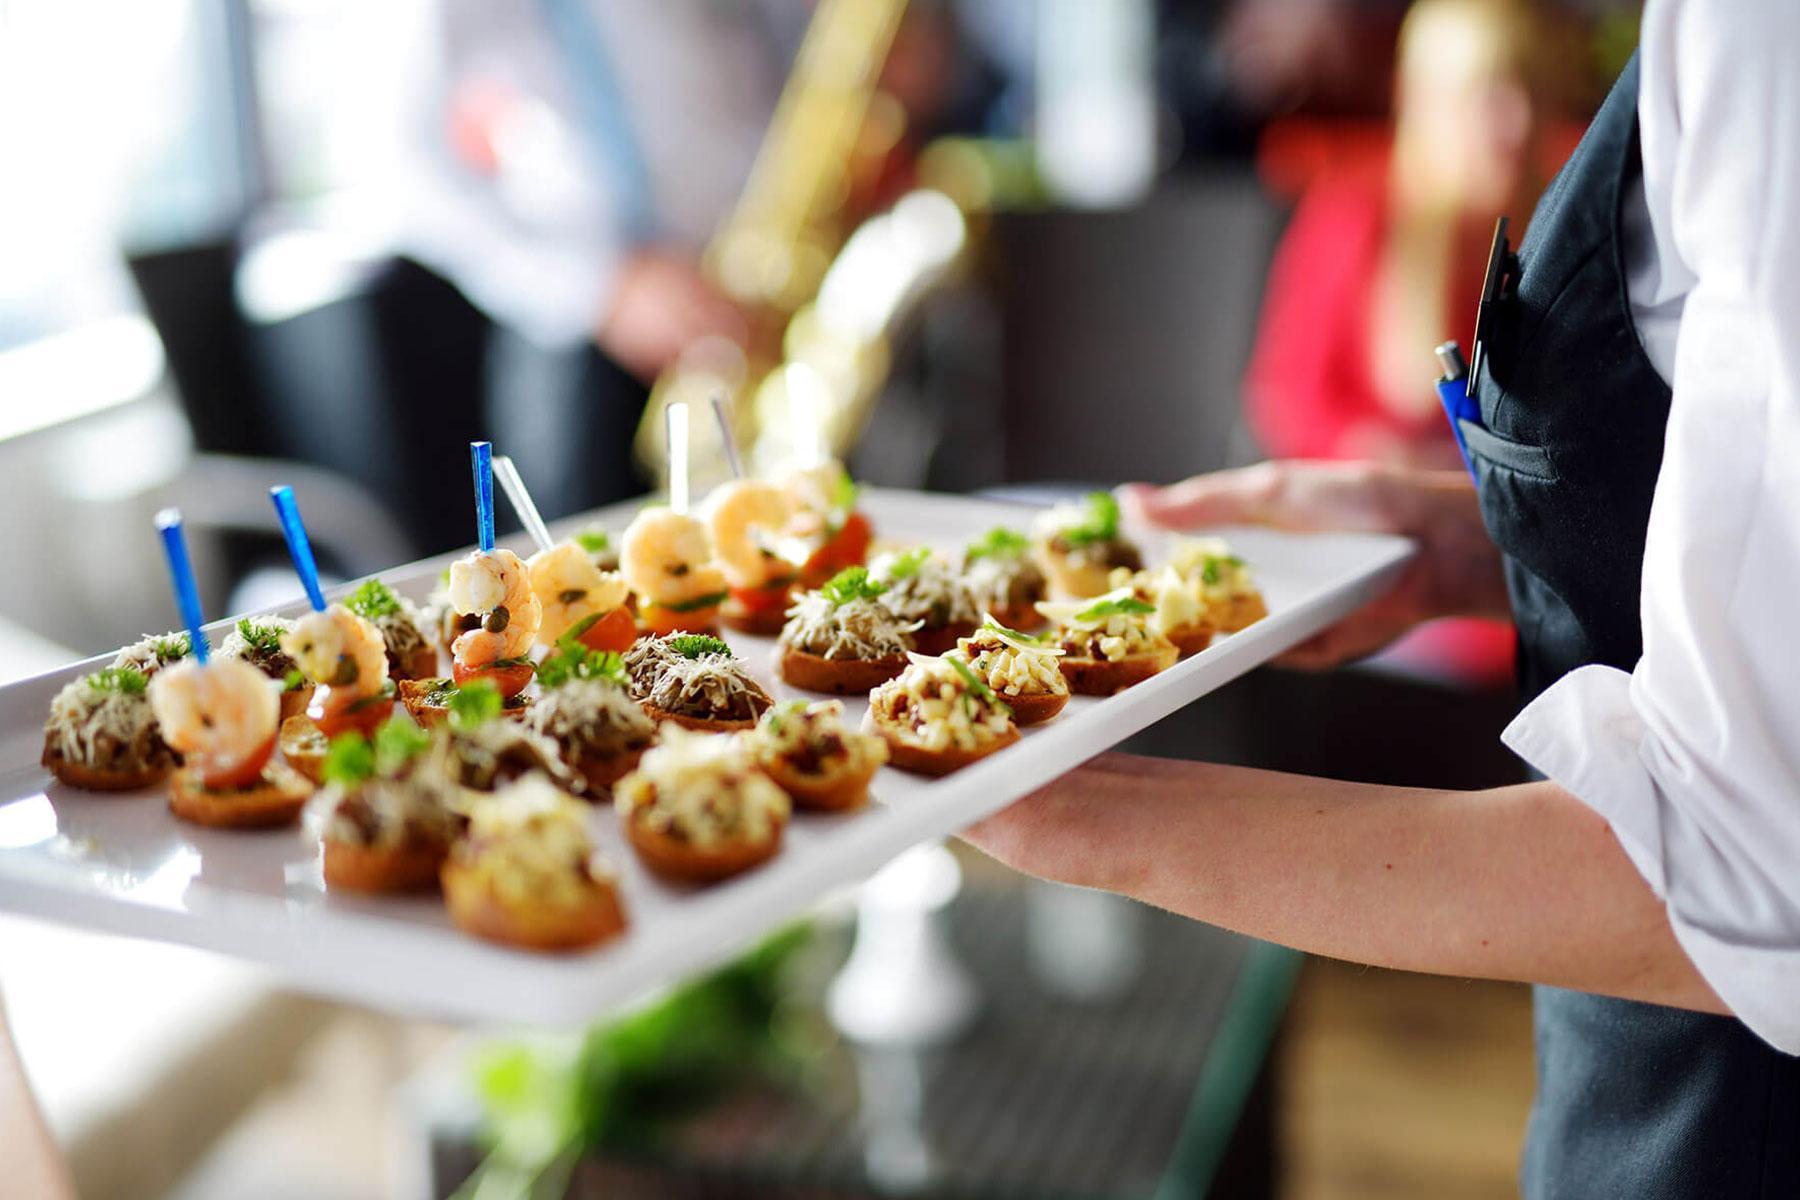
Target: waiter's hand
(1456,573)
(661,305)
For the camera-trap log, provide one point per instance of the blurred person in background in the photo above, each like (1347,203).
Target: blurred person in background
(1384,259)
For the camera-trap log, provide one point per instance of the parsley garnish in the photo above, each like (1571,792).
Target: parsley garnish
(349,761)
(294,679)
(1212,568)
(998,542)
(1113,606)
(352,758)
(262,639)
(572,660)
(396,743)
(594,541)
(696,645)
(1100,523)
(373,600)
(851,583)
(126,681)
(168,649)
(843,493)
(907,564)
(473,704)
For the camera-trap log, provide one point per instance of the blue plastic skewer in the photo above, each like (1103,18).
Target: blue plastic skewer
(181,572)
(481,456)
(299,546)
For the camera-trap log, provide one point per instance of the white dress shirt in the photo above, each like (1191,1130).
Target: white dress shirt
(1694,756)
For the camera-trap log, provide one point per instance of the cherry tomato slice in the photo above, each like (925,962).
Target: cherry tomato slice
(336,711)
(614,631)
(659,620)
(510,679)
(244,773)
(763,599)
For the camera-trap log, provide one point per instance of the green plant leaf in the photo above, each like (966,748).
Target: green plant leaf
(397,742)
(1113,606)
(124,681)
(906,564)
(696,645)
(373,600)
(594,541)
(350,760)
(1099,523)
(852,583)
(998,542)
(474,703)
(263,639)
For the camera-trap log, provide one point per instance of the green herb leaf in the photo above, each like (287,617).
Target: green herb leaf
(126,681)
(696,645)
(907,564)
(998,542)
(843,493)
(996,627)
(852,583)
(1113,606)
(474,703)
(594,541)
(350,760)
(397,742)
(976,684)
(1100,523)
(373,600)
(263,639)
(572,660)
(710,600)
(171,648)
(295,678)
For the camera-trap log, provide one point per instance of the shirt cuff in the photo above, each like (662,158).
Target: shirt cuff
(1586,733)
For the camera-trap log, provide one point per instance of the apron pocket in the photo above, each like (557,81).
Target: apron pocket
(1485,444)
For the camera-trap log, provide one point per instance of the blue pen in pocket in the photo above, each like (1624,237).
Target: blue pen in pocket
(1458,399)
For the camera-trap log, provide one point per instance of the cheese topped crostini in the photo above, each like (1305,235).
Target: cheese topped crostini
(526,873)
(923,590)
(221,717)
(587,710)
(257,640)
(841,638)
(1109,643)
(1182,612)
(383,824)
(806,749)
(695,681)
(1005,579)
(1080,545)
(1024,670)
(939,716)
(103,735)
(699,809)
(1233,599)
(410,651)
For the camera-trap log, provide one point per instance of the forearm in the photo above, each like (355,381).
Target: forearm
(1521,883)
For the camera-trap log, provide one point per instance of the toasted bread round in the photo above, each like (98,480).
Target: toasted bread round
(1070,580)
(673,859)
(761,622)
(304,746)
(1241,611)
(702,724)
(822,791)
(1100,677)
(839,676)
(403,868)
(908,755)
(415,693)
(1190,639)
(602,771)
(100,779)
(941,640)
(1034,708)
(295,700)
(276,800)
(475,909)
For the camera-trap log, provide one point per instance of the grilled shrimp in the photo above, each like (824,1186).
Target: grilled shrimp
(497,584)
(569,588)
(744,517)
(221,715)
(340,650)
(665,558)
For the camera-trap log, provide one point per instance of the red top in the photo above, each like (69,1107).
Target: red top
(1310,388)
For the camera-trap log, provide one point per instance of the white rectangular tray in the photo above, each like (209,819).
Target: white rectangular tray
(122,864)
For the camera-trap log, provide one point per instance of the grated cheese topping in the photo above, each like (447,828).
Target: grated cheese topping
(529,843)
(702,789)
(1209,562)
(1004,581)
(710,686)
(931,593)
(108,730)
(1014,666)
(388,813)
(932,706)
(856,629)
(813,738)
(591,716)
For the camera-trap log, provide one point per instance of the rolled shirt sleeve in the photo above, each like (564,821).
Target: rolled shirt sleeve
(1694,756)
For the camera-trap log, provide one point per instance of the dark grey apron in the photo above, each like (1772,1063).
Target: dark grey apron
(1633,1100)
